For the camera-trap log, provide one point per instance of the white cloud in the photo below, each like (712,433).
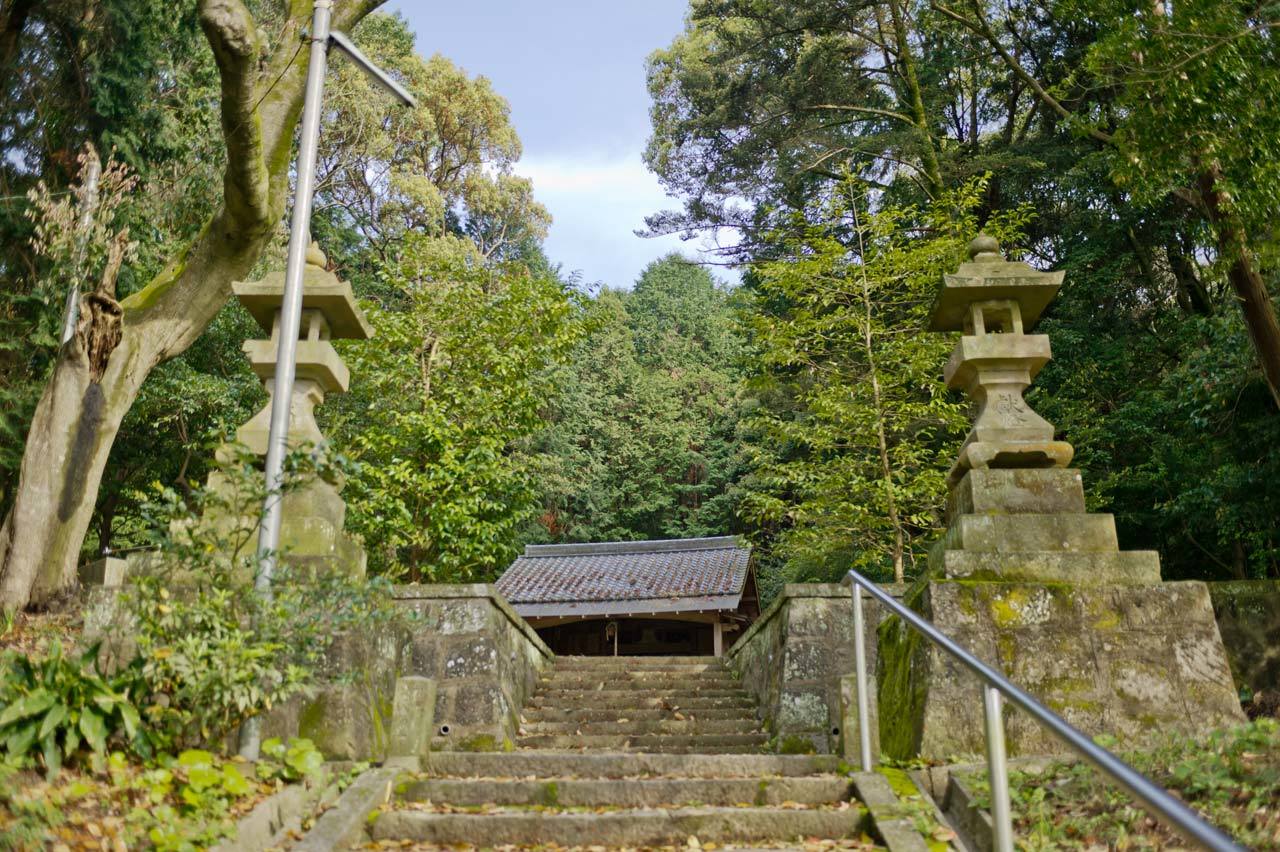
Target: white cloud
(597,203)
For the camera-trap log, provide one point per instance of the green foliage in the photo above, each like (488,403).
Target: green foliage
(1196,86)
(63,708)
(442,167)
(450,392)
(213,651)
(1229,776)
(181,803)
(296,760)
(853,433)
(642,442)
(759,109)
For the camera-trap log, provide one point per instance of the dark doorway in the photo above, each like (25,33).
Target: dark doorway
(636,637)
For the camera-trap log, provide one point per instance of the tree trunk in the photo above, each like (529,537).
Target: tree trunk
(87,397)
(1255,301)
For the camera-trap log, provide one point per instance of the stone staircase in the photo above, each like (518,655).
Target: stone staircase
(640,753)
(649,704)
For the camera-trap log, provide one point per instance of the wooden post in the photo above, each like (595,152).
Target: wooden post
(717,633)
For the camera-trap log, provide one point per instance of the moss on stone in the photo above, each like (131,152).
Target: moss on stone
(311,719)
(901,783)
(550,794)
(479,742)
(1007,610)
(796,744)
(762,792)
(900,697)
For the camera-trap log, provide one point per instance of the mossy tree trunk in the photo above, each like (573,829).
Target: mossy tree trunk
(93,386)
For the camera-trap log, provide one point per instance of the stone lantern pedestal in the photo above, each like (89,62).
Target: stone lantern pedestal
(1025,577)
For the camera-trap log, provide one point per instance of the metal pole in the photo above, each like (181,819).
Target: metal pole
(291,307)
(290,319)
(860,672)
(997,770)
(88,211)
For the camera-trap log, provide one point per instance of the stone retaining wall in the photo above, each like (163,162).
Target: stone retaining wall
(484,658)
(792,659)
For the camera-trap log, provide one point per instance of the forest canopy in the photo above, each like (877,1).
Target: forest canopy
(853,146)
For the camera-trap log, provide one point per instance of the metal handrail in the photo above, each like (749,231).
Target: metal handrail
(996,687)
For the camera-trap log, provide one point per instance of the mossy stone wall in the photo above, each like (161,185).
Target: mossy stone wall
(1122,660)
(792,659)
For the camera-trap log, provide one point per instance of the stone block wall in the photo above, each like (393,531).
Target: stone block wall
(1122,660)
(1248,615)
(792,660)
(484,658)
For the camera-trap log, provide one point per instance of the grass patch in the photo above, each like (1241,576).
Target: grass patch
(1230,777)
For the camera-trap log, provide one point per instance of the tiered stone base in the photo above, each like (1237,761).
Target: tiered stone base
(1127,661)
(1038,588)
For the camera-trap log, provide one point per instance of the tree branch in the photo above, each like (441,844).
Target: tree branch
(232,34)
(982,28)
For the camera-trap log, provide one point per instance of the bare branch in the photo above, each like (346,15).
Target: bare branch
(979,26)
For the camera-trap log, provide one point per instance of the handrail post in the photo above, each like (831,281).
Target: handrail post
(997,770)
(860,672)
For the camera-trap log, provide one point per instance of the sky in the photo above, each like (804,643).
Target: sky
(574,74)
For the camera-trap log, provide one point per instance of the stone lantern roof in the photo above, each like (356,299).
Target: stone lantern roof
(988,277)
(321,291)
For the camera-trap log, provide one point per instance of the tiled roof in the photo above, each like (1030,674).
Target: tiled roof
(698,573)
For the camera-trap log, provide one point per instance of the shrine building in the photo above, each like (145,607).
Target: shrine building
(677,597)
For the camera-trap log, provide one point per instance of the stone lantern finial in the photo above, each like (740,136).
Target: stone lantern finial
(985,247)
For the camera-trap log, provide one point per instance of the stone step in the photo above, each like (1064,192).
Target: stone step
(638,703)
(605,764)
(630,792)
(635,714)
(633,727)
(616,692)
(575,661)
(617,828)
(646,742)
(630,680)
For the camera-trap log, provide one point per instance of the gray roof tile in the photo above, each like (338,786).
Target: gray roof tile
(628,571)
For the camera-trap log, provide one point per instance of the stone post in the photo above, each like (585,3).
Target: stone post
(1025,577)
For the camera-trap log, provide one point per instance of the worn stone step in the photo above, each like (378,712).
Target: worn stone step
(613,692)
(672,668)
(630,680)
(633,727)
(645,742)
(611,714)
(606,764)
(630,792)
(617,828)
(634,703)
(577,661)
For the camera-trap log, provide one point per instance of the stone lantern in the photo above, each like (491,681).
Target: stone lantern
(993,301)
(1025,576)
(312,531)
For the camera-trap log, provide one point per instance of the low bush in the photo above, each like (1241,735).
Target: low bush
(63,707)
(210,650)
(173,804)
(1231,777)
